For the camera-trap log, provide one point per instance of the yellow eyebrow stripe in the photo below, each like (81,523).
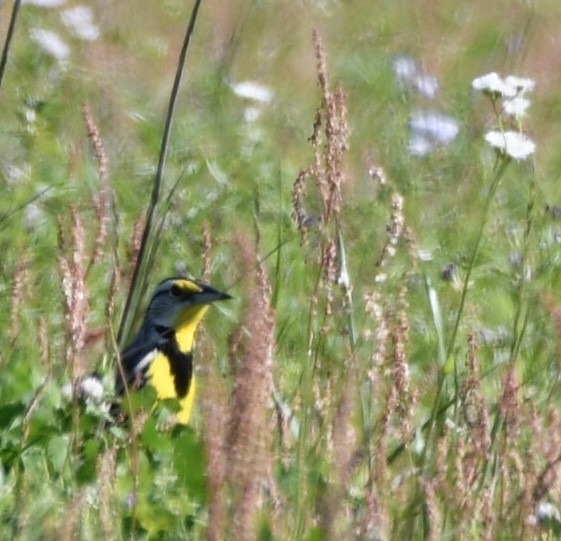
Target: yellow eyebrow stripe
(187,285)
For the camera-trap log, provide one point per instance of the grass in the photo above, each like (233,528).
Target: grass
(389,368)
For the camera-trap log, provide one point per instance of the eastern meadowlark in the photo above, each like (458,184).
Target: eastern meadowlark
(161,353)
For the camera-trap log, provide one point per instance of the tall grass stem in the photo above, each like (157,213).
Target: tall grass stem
(139,276)
(8,42)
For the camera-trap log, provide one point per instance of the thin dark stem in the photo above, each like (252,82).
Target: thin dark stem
(5,217)
(139,279)
(8,42)
(438,409)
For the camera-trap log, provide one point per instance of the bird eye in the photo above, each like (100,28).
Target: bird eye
(176,292)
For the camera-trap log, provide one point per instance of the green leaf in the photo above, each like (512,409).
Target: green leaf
(315,534)
(154,518)
(448,367)
(190,463)
(57,451)
(152,438)
(86,472)
(9,412)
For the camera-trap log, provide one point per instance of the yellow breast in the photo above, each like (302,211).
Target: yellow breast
(161,378)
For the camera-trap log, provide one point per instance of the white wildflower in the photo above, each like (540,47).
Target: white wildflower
(419,443)
(79,20)
(516,107)
(430,129)
(522,84)
(425,254)
(92,388)
(66,391)
(435,126)
(492,83)
(251,114)
(44,3)
(50,43)
(253,91)
(545,513)
(427,85)
(380,278)
(404,68)
(514,144)
(14,174)
(419,146)
(408,74)
(30,117)
(89,388)
(33,216)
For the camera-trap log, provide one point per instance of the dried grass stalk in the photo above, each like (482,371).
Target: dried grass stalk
(329,147)
(250,411)
(17,295)
(73,270)
(238,435)
(102,201)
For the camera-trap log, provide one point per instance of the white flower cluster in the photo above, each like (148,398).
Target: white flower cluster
(512,90)
(89,388)
(78,20)
(257,94)
(428,128)
(411,77)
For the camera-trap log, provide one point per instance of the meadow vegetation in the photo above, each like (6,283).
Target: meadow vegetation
(390,366)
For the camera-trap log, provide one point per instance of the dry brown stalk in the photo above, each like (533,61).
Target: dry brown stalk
(374,306)
(299,214)
(400,367)
(546,443)
(462,482)
(487,513)
(207,251)
(329,265)
(238,435)
(329,171)
(394,234)
(19,284)
(134,247)
(344,435)
(99,150)
(375,523)
(509,406)
(106,469)
(381,324)
(432,510)
(380,469)
(102,201)
(475,415)
(72,270)
(215,416)
(248,435)
(69,526)
(329,148)
(215,410)
(336,511)
(43,343)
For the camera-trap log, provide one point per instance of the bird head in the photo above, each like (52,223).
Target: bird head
(181,301)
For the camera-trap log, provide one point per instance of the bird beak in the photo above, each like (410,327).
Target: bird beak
(209,295)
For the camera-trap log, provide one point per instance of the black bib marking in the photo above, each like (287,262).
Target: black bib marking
(181,364)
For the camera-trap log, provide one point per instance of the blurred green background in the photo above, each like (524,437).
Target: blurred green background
(232,163)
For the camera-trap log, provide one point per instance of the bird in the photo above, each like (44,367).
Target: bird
(161,352)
